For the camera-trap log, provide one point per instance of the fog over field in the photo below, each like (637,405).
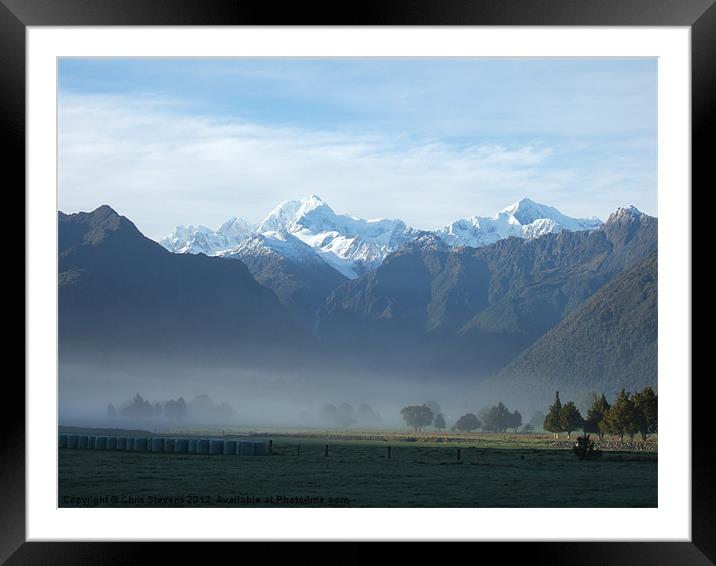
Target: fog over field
(258,398)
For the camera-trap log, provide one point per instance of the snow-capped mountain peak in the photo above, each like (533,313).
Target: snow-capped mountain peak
(526,211)
(235,226)
(350,245)
(312,202)
(200,239)
(629,213)
(523,219)
(288,214)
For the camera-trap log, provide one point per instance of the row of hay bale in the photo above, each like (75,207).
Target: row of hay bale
(163,445)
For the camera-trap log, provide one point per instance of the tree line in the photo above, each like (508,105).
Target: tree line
(629,414)
(497,418)
(201,407)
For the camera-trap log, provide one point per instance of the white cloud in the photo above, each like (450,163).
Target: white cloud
(160,167)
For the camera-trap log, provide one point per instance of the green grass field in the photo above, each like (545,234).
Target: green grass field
(494,471)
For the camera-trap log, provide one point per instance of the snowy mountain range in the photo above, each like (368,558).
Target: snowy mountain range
(309,231)
(200,239)
(524,219)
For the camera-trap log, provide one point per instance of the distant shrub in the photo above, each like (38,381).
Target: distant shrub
(584,448)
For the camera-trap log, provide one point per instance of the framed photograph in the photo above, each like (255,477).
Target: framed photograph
(420,275)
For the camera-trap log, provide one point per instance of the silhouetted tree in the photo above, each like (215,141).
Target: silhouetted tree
(467,423)
(621,418)
(111,411)
(596,414)
(417,416)
(569,418)
(439,422)
(553,420)
(647,413)
(497,418)
(138,408)
(515,420)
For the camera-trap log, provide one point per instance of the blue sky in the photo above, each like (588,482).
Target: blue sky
(194,141)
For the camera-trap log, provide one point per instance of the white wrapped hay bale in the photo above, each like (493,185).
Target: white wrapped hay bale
(191,446)
(259,449)
(202,446)
(181,446)
(72,440)
(246,448)
(141,444)
(90,442)
(157,445)
(169,445)
(82,442)
(229,447)
(121,443)
(130,444)
(111,443)
(100,443)
(62,441)
(216,447)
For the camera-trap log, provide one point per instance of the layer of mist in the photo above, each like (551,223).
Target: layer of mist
(226,398)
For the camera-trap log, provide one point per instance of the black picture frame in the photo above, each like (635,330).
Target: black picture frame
(17,15)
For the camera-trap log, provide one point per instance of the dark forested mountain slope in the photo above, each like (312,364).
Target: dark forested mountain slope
(121,294)
(607,343)
(294,271)
(471,311)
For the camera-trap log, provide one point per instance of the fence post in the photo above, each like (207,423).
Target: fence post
(270,446)
(388,451)
(326,454)
(458,454)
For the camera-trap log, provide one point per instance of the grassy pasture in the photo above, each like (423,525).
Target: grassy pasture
(493,471)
